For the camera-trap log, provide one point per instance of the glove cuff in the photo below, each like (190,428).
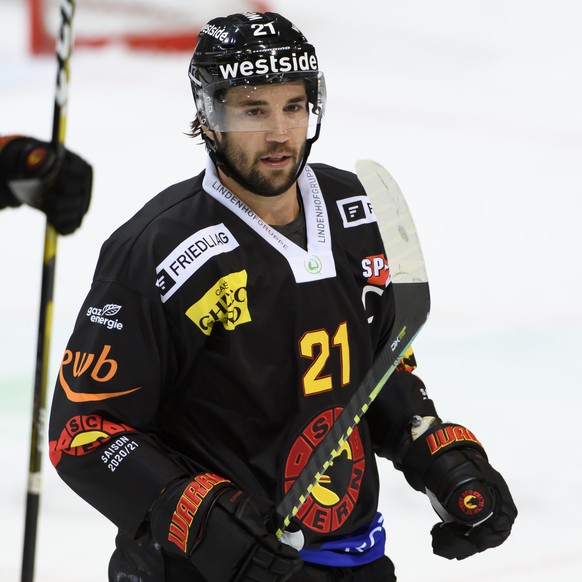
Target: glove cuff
(179,515)
(438,439)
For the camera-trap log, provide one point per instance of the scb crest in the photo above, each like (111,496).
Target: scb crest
(333,499)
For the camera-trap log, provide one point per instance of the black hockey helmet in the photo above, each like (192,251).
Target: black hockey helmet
(252,49)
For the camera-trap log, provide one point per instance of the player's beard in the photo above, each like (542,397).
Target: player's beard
(256,179)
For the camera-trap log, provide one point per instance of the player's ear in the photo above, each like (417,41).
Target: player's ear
(208,133)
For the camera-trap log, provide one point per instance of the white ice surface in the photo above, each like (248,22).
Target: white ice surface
(476,108)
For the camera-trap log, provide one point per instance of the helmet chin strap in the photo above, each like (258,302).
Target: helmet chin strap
(218,157)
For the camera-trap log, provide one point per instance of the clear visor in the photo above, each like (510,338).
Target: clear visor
(265,107)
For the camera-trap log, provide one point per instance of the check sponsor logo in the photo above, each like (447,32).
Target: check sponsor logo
(226,303)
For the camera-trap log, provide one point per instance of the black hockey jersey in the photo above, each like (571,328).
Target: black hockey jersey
(211,342)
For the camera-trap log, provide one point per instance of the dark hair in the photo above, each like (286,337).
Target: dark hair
(195,129)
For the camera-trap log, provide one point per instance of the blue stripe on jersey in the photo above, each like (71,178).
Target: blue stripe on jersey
(355,550)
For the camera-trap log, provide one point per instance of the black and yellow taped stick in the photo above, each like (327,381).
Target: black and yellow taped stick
(63,52)
(412,302)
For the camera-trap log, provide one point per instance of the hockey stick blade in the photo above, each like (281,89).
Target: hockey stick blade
(412,302)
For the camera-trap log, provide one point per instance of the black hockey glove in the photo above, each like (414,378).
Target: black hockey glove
(217,526)
(473,500)
(33,173)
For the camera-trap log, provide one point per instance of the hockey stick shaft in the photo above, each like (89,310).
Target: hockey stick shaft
(412,301)
(63,52)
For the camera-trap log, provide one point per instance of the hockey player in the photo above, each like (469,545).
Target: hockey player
(32,172)
(227,327)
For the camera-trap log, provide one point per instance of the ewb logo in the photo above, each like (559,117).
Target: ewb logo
(101,370)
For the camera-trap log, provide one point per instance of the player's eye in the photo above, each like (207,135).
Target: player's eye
(253,112)
(295,108)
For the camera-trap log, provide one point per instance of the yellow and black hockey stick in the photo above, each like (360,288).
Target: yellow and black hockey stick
(64,47)
(412,299)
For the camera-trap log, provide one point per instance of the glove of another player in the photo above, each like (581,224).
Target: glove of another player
(469,495)
(217,526)
(33,173)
